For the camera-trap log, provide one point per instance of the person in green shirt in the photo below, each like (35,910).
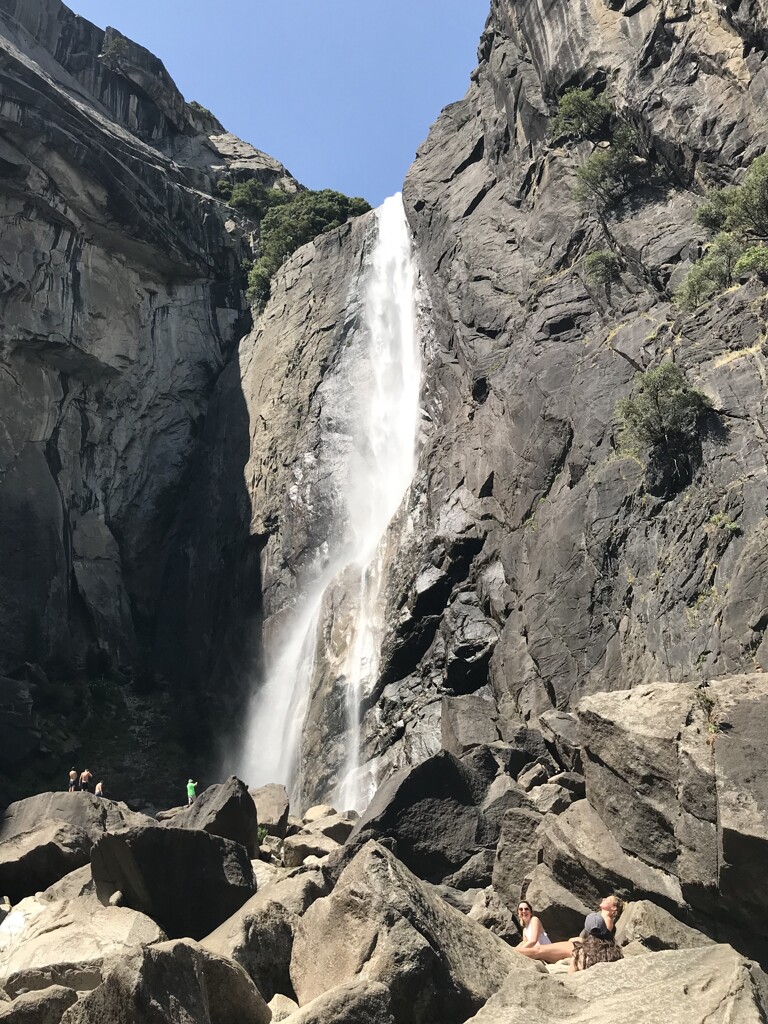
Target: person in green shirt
(191,794)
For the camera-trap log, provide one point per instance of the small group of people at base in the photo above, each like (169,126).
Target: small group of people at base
(594,945)
(84,782)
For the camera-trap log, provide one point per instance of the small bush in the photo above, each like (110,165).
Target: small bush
(581,115)
(609,173)
(664,413)
(712,274)
(752,262)
(743,208)
(601,267)
(116,47)
(224,188)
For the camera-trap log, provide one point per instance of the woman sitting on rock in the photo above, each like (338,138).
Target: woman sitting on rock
(533,930)
(599,924)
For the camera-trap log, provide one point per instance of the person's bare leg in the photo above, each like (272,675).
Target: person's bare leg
(550,953)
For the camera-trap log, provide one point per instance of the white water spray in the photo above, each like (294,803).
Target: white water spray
(384,374)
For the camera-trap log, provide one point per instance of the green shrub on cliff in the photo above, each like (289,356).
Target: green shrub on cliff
(610,172)
(713,273)
(254,199)
(290,224)
(601,267)
(740,215)
(752,262)
(663,414)
(743,208)
(581,115)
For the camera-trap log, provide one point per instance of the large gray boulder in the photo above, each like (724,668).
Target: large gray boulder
(677,987)
(432,811)
(647,927)
(187,881)
(561,913)
(171,983)
(667,767)
(44,1006)
(30,861)
(65,942)
(516,853)
(46,836)
(356,1002)
(382,923)
(92,814)
(259,936)
(272,806)
(225,810)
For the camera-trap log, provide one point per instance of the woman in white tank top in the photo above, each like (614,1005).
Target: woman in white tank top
(533,929)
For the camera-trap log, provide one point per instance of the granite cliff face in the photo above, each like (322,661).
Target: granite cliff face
(542,564)
(120,303)
(180,485)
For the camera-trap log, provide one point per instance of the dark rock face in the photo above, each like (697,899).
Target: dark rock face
(432,811)
(187,881)
(33,860)
(225,810)
(121,304)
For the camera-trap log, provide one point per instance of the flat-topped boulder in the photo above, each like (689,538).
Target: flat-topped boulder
(675,986)
(94,815)
(65,942)
(188,881)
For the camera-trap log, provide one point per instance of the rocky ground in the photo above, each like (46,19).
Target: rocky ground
(234,911)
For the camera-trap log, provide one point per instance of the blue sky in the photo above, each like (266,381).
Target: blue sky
(341,91)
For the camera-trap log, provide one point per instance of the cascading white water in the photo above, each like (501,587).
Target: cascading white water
(383,372)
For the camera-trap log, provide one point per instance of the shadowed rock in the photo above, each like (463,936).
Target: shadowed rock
(33,860)
(173,981)
(431,810)
(259,936)
(225,810)
(187,881)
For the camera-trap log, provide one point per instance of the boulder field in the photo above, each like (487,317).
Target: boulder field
(406,914)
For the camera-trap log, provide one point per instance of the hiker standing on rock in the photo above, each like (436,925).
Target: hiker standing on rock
(99,791)
(85,780)
(191,794)
(72,780)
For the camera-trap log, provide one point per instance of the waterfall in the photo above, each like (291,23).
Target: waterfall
(377,401)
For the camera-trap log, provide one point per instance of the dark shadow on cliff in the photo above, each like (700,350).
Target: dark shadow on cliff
(207,638)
